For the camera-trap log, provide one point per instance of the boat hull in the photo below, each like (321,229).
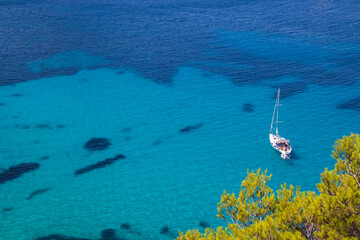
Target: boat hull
(281,145)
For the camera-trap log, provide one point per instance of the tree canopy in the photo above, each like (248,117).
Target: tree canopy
(258,212)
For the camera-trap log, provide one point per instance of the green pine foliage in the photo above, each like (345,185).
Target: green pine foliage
(258,213)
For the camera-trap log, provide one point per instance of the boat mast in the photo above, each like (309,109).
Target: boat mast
(272,120)
(277,111)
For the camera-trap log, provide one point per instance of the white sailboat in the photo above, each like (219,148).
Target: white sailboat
(279,143)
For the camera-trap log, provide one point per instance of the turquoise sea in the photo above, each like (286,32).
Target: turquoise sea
(185,90)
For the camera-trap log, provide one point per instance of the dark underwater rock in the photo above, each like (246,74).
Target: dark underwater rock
(125,226)
(97,144)
(165,230)
(7,209)
(43,126)
(353,104)
(44,157)
(60,237)
(17,95)
(247,107)
(190,128)
(101,164)
(16,171)
(204,224)
(108,234)
(126,130)
(37,192)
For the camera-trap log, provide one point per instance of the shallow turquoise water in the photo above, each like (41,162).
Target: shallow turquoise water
(168,178)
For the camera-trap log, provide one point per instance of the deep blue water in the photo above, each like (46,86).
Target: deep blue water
(316,40)
(184,89)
